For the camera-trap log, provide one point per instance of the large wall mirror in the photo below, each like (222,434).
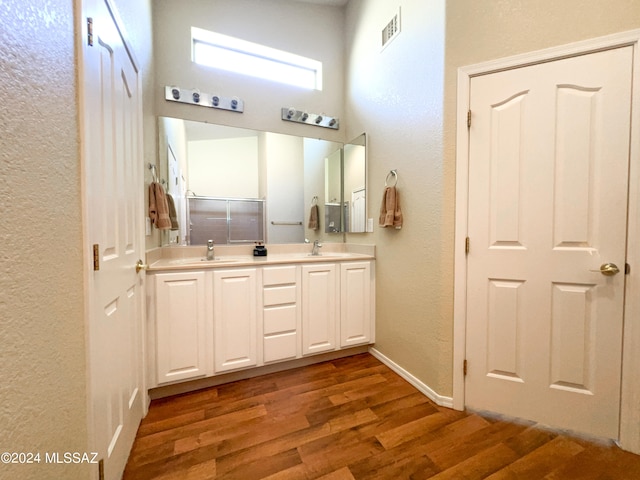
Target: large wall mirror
(354,181)
(237,186)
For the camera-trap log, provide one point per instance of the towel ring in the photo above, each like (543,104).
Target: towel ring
(154,174)
(394,174)
(314,201)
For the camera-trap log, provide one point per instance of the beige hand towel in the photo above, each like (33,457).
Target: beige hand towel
(158,207)
(390,213)
(173,216)
(314,216)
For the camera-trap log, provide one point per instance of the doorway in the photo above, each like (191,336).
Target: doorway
(533,216)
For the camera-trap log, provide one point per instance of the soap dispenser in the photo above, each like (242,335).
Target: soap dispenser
(260,250)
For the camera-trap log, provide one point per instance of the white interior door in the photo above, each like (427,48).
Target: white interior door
(174,188)
(113,212)
(548,176)
(358,210)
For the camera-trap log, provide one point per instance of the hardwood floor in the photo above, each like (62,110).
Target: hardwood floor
(351,418)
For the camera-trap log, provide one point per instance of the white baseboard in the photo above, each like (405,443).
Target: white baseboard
(422,387)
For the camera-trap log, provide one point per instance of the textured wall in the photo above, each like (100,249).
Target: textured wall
(43,404)
(42,353)
(305,29)
(487,30)
(404,97)
(395,96)
(478,31)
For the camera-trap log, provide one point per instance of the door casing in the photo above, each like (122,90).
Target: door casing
(630,395)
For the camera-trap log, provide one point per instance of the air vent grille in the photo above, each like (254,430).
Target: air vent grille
(392,30)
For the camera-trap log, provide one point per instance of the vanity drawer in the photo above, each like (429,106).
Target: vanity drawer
(279,275)
(280,319)
(280,347)
(279,295)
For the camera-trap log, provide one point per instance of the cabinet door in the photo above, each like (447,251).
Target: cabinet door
(355,304)
(319,308)
(235,318)
(180,326)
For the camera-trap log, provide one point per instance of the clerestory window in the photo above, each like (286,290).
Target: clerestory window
(247,58)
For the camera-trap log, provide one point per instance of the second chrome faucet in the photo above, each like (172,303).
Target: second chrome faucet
(316,247)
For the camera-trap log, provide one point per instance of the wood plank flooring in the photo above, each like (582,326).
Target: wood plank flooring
(351,418)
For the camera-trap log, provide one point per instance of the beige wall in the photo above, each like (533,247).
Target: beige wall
(43,402)
(478,31)
(404,97)
(486,30)
(395,96)
(305,29)
(42,355)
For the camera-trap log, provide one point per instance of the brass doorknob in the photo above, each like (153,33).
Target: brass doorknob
(608,269)
(140,266)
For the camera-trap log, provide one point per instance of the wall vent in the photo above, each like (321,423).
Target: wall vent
(392,30)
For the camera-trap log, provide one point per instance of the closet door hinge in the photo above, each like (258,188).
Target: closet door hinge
(627,269)
(464,367)
(469,119)
(466,245)
(90,31)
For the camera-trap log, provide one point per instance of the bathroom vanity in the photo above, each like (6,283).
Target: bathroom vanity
(237,311)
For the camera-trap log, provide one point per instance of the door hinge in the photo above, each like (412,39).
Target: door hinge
(96,257)
(101,469)
(466,245)
(469,119)
(90,31)
(464,367)
(627,269)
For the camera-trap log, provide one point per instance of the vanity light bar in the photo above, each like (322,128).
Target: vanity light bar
(195,97)
(319,120)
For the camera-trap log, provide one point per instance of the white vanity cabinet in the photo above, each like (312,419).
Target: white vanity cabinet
(281,314)
(235,318)
(320,304)
(208,321)
(181,340)
(356,325)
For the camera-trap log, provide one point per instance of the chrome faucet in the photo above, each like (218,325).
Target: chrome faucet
(210,250)
(316,247)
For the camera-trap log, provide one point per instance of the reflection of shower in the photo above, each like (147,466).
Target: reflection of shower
(226,220)
(332,221)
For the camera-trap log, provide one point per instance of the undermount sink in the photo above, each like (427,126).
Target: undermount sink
(219,260)
(332,255)
(189,260)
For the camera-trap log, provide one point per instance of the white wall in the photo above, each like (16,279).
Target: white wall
(395,96)
(285,187)
(510,28)
(404,98)
(43,384)
(298,27)
(224,167)
(171,134)
(42,358)
(354,169)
